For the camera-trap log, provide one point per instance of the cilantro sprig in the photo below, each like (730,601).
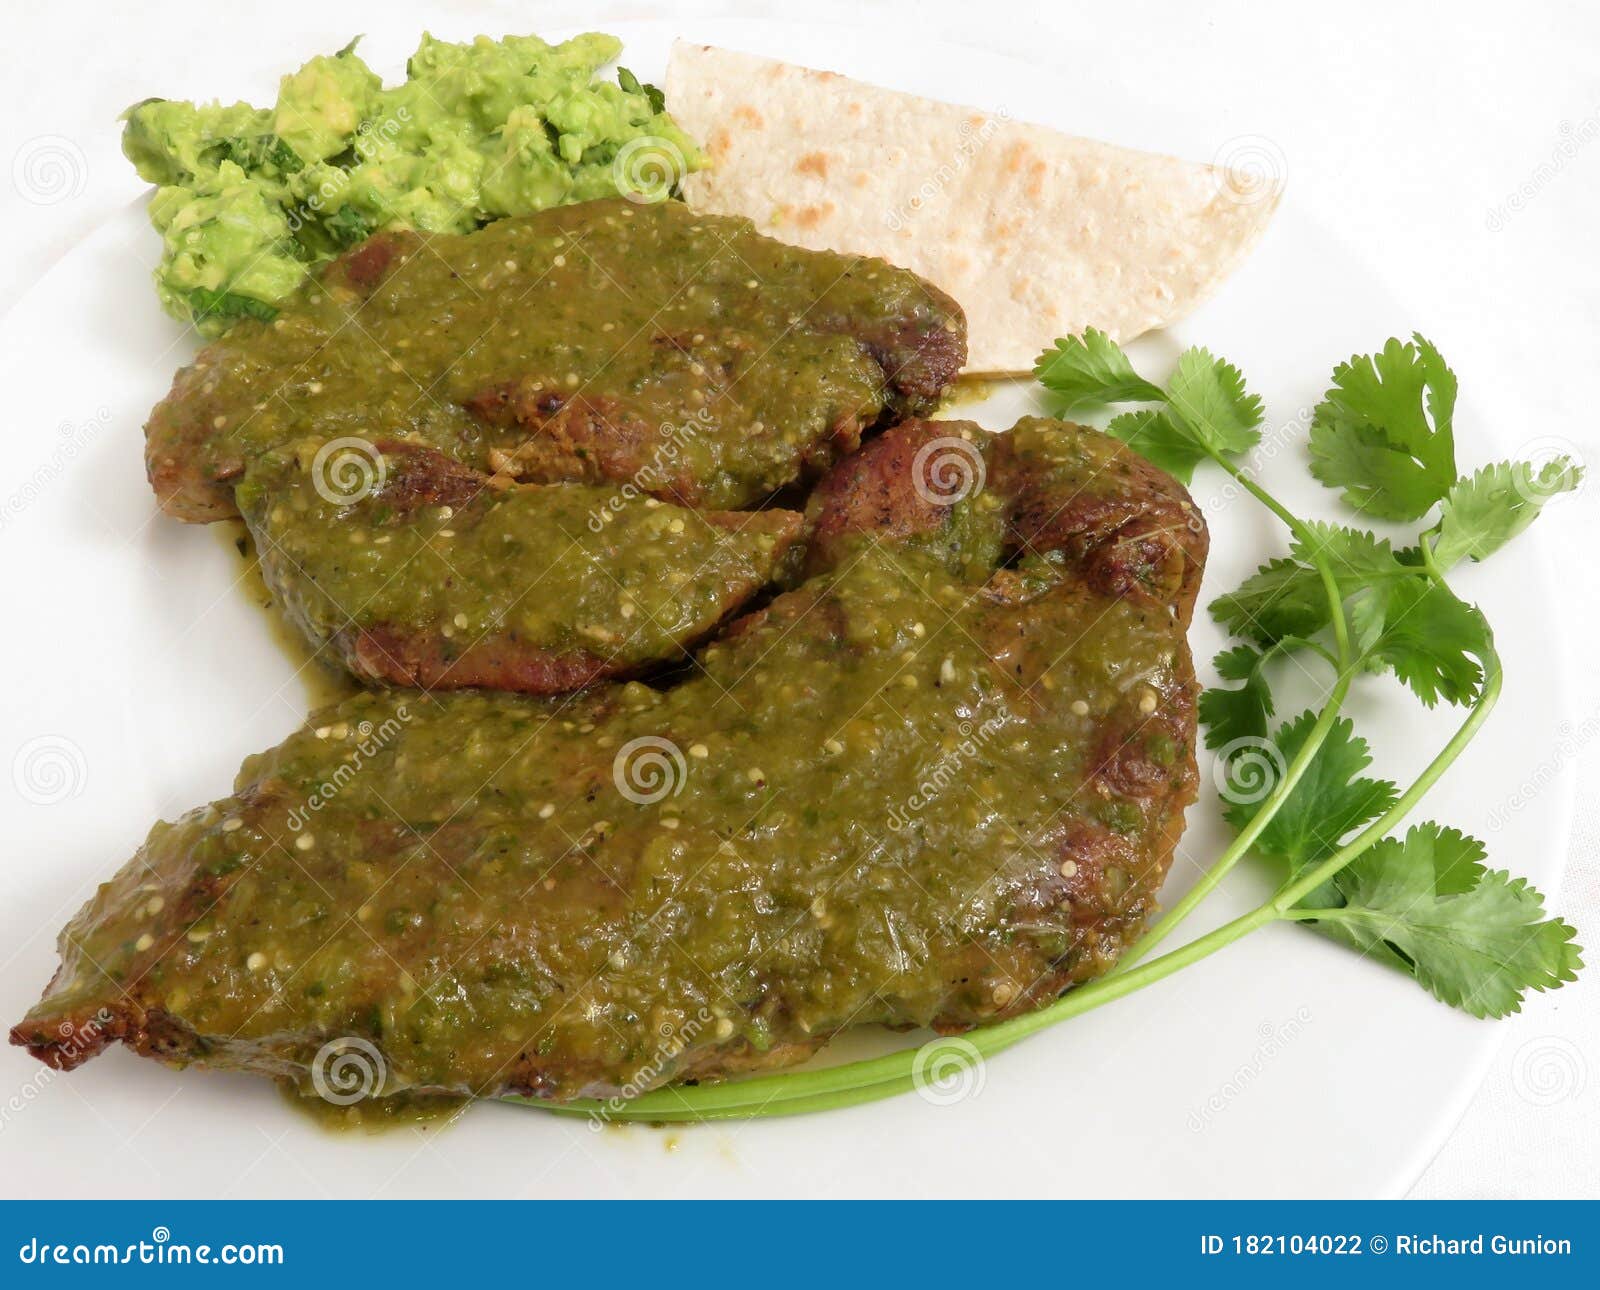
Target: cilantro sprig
(1297,794)
(1383,433)
(1476,938)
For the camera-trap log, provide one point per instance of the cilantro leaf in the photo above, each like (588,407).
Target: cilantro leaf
(1428,636)
(347,226)
(1401,619)
(1286,598)
(1356,558)
(1484,512)
(1477,939)
(231,305)
(1327,802)
(1207,394)
(1281,598)
(1457,858)
(1092,369)
(1383,433)
(631,84)
(1208,410)
(1233,714)
(1151,433)
(254,152)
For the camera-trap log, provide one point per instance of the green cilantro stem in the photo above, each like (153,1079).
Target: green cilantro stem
(1488,694)
(1319,873)
(894,1073)
(1345,671)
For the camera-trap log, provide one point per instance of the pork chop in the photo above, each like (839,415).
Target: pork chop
(604,342)
(936,783)
(420,571)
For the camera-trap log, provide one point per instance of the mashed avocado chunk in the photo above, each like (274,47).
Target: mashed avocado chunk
(250,200)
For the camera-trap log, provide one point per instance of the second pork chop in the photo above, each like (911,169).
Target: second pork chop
(419,571)
(606,342)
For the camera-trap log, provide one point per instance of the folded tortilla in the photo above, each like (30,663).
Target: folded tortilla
(1037,234)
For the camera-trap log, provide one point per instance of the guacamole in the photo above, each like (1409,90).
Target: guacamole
(249,200)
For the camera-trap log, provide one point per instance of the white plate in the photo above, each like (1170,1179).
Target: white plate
(149,675)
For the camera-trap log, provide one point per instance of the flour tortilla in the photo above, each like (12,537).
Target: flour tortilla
(1037,234)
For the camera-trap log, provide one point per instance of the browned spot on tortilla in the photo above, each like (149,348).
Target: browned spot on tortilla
(853,108)
(811,216)
(720,142)
(1036,175)
(747,115)
(813,163)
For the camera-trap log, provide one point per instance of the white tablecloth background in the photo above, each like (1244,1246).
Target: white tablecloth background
(1414,124)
